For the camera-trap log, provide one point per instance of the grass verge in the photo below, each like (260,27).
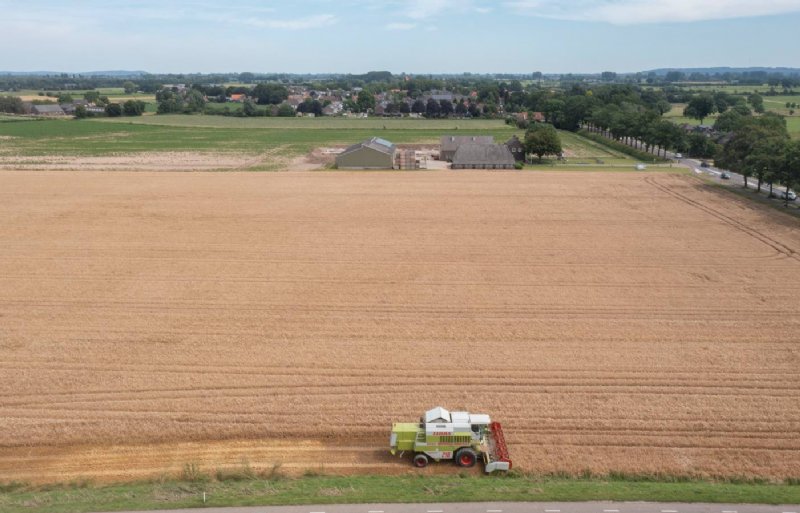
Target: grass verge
(622,148)
(247,488)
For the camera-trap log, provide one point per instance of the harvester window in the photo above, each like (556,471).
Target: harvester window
(476,428)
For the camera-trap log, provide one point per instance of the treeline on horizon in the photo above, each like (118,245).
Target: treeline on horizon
(150,83)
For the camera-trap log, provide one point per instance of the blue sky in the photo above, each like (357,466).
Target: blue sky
(413,36)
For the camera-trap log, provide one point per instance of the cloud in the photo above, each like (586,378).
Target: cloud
(483,10)
(424,9)
(401,26)
(631,12)
(311,22)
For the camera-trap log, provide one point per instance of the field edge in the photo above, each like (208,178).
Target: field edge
(243,488)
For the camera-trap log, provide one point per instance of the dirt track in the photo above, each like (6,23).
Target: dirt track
(632,322)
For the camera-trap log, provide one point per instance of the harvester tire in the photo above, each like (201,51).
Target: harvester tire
(466,457)
(420,461)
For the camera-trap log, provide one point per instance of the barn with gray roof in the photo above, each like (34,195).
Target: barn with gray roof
(375,153)
(450,143)
(483,156)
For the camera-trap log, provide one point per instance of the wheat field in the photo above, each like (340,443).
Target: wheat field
(611,321)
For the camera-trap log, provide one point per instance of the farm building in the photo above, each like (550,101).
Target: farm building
(450,143)
(483,156)
(47,110)
(375,153)
(517,148)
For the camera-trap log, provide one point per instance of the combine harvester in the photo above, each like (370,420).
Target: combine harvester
(444,435)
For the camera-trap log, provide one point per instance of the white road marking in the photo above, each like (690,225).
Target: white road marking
(669,511)
(494,511)
(610,511)
(375,511)
(552,511)
(435,511)
(728,511)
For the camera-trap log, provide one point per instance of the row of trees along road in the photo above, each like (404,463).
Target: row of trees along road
(761,147)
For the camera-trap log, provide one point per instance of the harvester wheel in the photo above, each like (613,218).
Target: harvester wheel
(466,457)
(420,461)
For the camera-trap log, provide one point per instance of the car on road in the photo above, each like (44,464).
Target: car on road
(725,175)
(679,155)
(704,163)
(790,193)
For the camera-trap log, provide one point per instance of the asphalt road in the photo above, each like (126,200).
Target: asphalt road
(510,507)
(734,180)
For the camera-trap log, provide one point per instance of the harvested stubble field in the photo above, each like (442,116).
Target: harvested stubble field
(611,321)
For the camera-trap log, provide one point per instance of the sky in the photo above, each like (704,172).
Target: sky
(412,36)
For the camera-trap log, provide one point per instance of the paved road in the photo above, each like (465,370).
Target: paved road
(734,180)
(510,507)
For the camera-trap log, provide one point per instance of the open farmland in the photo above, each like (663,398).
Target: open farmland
(215,143)
(611,321)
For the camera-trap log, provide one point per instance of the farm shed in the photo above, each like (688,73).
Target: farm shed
(47,110)
(375,153)
(483,156)
(450,143)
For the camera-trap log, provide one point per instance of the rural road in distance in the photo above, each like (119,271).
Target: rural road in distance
(509,507)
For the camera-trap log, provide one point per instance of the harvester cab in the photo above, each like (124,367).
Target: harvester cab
(460,436)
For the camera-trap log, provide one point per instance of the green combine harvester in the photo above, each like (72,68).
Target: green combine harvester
(460,436)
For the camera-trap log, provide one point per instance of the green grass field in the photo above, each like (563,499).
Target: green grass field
(775,104)
(582,151)
(322,123)
(285,136)
(730,89)
(246,489)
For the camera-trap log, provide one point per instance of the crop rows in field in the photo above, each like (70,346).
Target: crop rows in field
(611,321)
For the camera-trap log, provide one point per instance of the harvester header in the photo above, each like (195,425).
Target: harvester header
(460,436)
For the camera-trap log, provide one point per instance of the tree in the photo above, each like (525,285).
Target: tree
(553,111)
(461,109)
(742,109)
(365,101)
(249,108)
(129,87)
(310,106)
(721,101)
(668,135)
(285,111)
(757,102)
(790,168)
(700,107)
(194,101)
(81,112)
(728,121)
(91,96)
(113,110)
(542,139)
(270,94)
(663,106)
(608,76)
(133,107)
(11,105)
(418,107)
(64,98)
(751,148)
(432,108)
(445,107)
